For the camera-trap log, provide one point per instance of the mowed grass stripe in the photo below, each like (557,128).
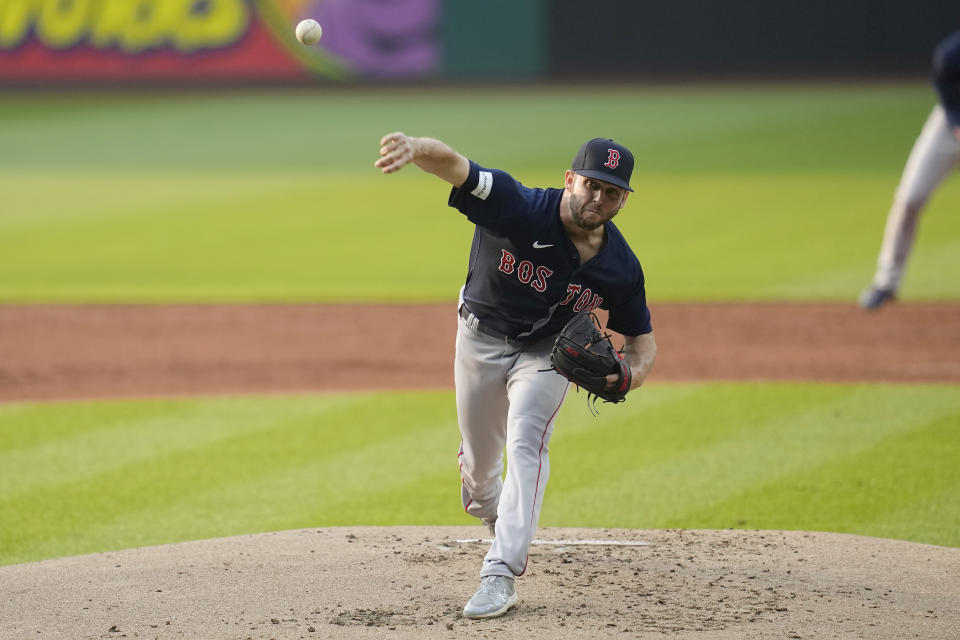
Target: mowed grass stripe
(260,241)
(129,434)
(334,489)
(268,238)
(933,519)
(208,485)
(863,491)
(680,462)
(130,193)
(640,434)
(692,455)
(25,425)
(680,128)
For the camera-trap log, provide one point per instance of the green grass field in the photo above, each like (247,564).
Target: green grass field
(86,477)
(743,193)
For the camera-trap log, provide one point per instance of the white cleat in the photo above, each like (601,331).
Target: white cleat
(493,599)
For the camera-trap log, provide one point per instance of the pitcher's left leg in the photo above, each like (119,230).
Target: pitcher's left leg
(535,399)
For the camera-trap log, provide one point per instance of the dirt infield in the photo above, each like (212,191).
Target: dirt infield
(54,352)
(410,583)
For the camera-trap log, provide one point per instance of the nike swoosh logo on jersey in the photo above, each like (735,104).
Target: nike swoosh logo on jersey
(537,245)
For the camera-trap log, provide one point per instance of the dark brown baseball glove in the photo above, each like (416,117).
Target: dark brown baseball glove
(586,357)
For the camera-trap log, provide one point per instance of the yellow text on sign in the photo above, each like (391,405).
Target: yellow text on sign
(129,25)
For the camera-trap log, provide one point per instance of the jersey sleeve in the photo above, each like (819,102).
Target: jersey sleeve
(493,199)
(632,316)
(946,76)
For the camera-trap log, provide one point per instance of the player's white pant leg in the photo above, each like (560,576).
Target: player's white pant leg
(934,154)
(480,378)
(535,399)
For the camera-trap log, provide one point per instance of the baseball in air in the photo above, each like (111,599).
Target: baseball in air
(309,31)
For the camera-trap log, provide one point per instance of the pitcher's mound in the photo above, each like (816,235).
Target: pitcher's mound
(411,582)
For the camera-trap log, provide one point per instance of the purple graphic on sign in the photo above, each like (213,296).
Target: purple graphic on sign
(382,37)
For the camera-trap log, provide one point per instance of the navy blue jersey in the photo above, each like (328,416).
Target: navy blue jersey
(946,76)
(525,279)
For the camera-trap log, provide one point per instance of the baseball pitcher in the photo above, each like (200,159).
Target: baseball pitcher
(540,257)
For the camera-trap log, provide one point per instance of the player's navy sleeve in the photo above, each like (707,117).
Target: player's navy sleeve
(493,199)
(629,314)
(946,76)
(633,317)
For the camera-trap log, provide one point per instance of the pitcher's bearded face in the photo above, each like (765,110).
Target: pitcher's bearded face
(592,202)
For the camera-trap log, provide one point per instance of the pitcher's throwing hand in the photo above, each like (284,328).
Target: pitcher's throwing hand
(396,151)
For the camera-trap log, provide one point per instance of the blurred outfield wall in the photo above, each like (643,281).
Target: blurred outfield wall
(57,42)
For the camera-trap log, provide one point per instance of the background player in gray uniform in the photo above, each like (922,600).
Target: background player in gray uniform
(538,257)
(935,153)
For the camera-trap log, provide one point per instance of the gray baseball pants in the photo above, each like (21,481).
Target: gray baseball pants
(935,153)
(505,400)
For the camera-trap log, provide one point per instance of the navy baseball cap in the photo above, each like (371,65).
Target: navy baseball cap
(604,159)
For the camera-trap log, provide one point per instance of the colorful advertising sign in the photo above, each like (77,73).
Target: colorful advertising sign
(46,41)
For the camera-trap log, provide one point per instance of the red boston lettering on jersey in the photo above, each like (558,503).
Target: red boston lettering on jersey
(572,290)
(595,302)
(540,284)
(613,159)
(588,300)
(583,301)
(525,271)
(507,261)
